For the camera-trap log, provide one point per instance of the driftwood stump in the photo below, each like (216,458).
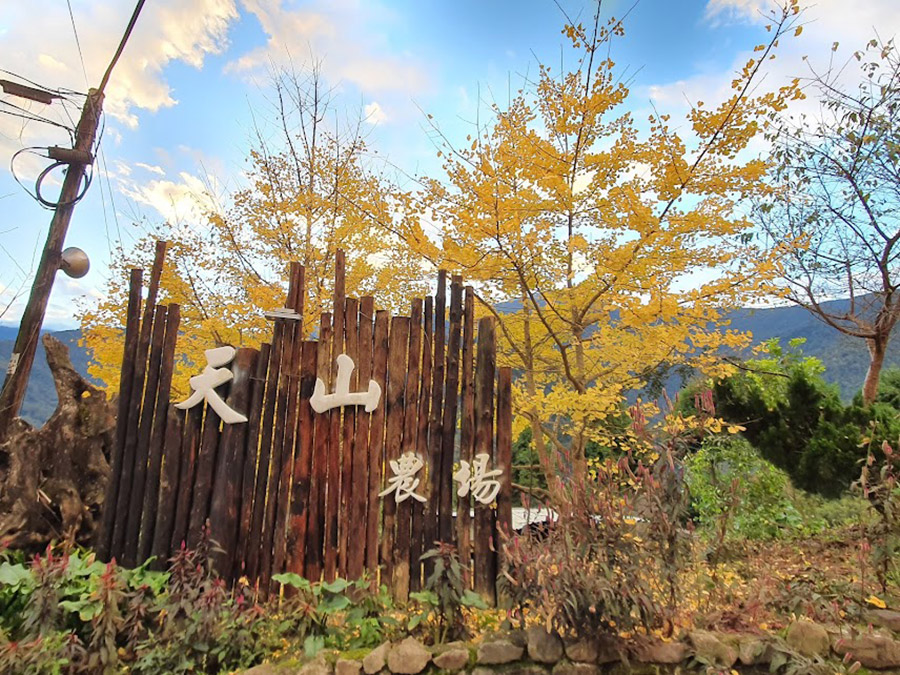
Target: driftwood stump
(52,479)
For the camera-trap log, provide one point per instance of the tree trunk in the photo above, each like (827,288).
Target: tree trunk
(53,479)
(877,348)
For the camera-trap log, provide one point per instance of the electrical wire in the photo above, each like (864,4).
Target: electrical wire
(88,178)
(61,92)
(112,64)
(77,41)
(12,168)
(27,115)
(36,195)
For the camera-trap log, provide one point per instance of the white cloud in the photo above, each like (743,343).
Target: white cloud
(825,22)
(152,168)
(58,316)
(734,9)
(45,51)
(184,202)
(340,35)
(374,114)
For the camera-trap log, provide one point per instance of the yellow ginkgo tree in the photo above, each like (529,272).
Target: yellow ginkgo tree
(607,250)
(310,192)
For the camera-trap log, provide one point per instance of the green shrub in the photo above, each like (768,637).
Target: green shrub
(797,421)
(820,514)
(728,478)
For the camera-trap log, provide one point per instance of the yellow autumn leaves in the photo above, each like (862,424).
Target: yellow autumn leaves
(608,251)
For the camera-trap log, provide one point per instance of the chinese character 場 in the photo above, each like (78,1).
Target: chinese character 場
(480,481)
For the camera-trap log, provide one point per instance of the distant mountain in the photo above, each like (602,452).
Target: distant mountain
(40,396)
(845,358)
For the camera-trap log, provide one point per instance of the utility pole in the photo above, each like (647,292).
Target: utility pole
(22,358)
(77,158)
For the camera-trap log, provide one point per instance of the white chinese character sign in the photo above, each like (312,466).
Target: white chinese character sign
(322,439)
(320,401)
(476,478)
(404,482)
(204,385)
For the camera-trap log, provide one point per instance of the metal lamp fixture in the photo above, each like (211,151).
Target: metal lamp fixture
(75,262)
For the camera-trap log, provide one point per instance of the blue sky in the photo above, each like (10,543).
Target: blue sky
(179,104)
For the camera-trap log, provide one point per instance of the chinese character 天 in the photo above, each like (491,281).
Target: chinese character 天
(204,385)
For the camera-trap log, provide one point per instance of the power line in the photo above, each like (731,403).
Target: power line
(13,391)
(29,116)
(115,59)
(77,42)
(61,92)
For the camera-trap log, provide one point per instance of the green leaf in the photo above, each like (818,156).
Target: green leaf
(13,575)
(425,597)
(472,599)
(336,586)
(313,644)
(335,603)
(415,621)
(86,609)
(291,579)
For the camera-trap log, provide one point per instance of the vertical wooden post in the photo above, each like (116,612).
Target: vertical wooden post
(451,398)
(225,503)
(432,533)
(467,433)
(360,483)
(154,463)
(133,416)
(348,434)
(403,567)
(203,476)
(190,448)
(376,442)
(282,434)
(126,385)
(22,358)
(300,497)
(290,426)
(251,459)
(142,450)
(417,542)
(168,488)
(332,510)
(399,339)
(315,560)
(485,571)
(504,458)
(255,539)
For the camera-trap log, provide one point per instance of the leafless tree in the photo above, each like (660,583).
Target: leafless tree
(834,214)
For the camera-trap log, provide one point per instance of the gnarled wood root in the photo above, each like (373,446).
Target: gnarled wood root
(53,479)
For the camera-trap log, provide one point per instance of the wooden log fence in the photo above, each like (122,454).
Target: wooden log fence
(294,490)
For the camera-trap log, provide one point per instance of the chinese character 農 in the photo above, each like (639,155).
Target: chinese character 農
(404,482)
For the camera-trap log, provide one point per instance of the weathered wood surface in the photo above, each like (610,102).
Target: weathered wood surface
(53,479)
(299,491)
(485,568)
(126,385)
(466,432)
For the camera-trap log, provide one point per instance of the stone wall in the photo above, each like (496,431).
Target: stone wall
(535,652)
